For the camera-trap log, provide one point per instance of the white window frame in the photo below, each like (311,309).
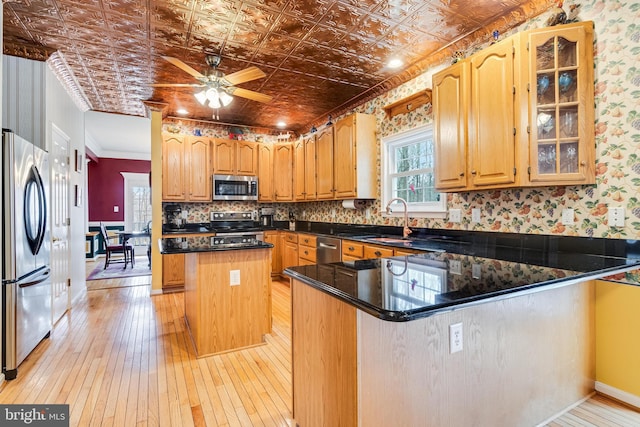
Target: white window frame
(417,210)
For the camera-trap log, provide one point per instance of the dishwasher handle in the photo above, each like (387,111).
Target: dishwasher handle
(327,245)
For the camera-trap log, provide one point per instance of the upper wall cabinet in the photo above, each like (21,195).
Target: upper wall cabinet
(519,113)
(265,172)
(235,157)
(561,100)
(186,174)
(283,172)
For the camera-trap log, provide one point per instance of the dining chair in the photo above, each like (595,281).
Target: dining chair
(125,250)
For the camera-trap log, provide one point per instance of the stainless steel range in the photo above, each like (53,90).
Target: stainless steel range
(235,228)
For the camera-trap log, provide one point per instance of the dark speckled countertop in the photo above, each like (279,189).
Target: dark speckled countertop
(461,268)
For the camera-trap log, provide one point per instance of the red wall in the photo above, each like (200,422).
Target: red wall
(106,186)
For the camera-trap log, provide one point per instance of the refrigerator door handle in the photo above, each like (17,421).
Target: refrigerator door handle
(41,277)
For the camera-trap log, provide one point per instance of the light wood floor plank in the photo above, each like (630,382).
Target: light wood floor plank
(123,358)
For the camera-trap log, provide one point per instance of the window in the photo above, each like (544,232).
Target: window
(407,172)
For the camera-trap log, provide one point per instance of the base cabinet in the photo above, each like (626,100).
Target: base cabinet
(273,237)
(172,272)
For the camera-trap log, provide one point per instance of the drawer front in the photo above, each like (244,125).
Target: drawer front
(406,252)
(291,237)
(352,249)
(307,240)
(377,252)
(307,253)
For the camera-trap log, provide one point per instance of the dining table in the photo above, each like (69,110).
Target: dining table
(125,235)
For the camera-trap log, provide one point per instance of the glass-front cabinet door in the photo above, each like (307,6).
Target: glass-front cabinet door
(561,93)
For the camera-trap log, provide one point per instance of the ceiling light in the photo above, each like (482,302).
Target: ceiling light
(201,97)
(281,124)
(395,63)
(214,98)
(225,98)
(182,111)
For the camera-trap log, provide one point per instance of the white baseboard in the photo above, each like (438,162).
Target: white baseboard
(156,292)
(565,410)
(621,395)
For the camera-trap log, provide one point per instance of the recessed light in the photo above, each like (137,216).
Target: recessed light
(182,111)
(395,63)
(281,125)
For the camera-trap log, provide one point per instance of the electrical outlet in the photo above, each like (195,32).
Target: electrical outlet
(116,208)
(455,215)
(455,338)
(616,217)
(476,215)
(367,213)
(455,266)
(567,216)
(333,212)
(476,271)
(234,277)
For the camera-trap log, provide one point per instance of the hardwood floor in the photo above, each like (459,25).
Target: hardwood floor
(123,358)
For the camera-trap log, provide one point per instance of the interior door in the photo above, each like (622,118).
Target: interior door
(59,160)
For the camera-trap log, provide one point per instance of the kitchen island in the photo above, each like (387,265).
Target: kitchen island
(372,342)
(227,292)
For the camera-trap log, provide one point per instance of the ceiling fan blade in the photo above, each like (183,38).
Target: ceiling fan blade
(184,67)
(177,85)
(249,94)
(246,75)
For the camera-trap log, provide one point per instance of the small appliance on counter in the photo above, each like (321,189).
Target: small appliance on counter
(174,216)
(26,271)
(266,216)
(292,221)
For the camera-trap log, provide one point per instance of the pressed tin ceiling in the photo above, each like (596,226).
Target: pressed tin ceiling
(320,57)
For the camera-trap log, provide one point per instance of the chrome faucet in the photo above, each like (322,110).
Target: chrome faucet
(406,230)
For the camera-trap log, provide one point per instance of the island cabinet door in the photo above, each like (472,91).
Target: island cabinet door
(324,359)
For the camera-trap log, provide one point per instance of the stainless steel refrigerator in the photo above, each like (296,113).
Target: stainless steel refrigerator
(26,272)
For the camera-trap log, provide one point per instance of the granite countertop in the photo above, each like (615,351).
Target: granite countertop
(411,287)
(182,245)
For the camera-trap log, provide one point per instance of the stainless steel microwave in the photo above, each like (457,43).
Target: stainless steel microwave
(234,187)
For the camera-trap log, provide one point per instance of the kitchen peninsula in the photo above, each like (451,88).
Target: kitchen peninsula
(458,336)
(227,292)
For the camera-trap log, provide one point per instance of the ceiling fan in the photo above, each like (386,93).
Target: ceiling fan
(218,88)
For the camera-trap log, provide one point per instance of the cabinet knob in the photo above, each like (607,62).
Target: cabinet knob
(583,163)
(461,173)
(351,248)
(473,172)
(378,253)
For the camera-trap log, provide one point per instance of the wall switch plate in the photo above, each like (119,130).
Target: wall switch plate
(567,216)
(455,215)
(455,266)
(476,271)
(476,215)
(116,208)
(616,217)
(234,277)
(455,338)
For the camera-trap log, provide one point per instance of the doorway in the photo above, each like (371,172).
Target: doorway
(137,206)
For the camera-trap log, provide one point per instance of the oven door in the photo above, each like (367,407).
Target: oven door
(232,187)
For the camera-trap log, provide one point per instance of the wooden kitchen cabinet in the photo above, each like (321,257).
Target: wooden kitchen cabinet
(375,251)
(519,113)
(283,172)
(235,157)
(306,249)
(172,272)
(324,164)
(289,250)
(474,126)
(304,168)
(351,250)
(265,173)
(186,173)
(273,237)
(561,99)
(354,157)
(298,170)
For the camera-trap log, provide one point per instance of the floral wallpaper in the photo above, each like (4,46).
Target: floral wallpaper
(537,210)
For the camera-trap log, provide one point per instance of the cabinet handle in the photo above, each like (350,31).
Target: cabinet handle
(583,163)
(473,172)
(378,253)
(461,173)
(306,252)
(351,248)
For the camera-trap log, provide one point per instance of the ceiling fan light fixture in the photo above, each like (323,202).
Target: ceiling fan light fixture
(201,97)
(214,98)
(225,98)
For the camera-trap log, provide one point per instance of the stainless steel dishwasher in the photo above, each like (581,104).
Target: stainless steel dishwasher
(328,250)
